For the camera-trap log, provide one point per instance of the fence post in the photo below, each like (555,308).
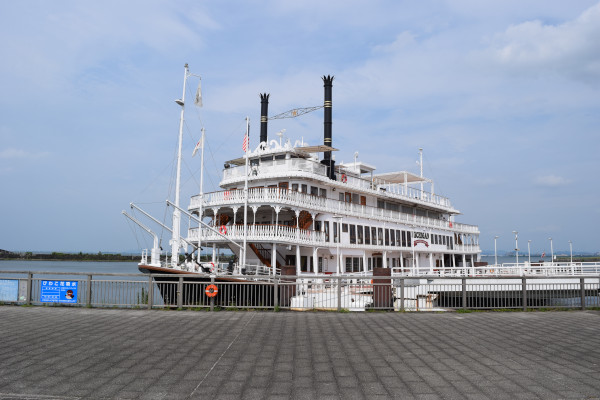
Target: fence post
(275,292)
(402,294)
(28,294)
(180,292)
(582,290)
(150,291)
(212,299)
(339,293)
(524,292)
(464,293)
(88,295)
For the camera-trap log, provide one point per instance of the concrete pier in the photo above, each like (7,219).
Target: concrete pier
(68,353)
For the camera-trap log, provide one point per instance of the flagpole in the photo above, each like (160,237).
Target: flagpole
(200,211)
(246,194)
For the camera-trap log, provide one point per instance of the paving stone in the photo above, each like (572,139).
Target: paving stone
(101,353)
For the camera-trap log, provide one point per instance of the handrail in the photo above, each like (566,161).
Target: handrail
(291,197)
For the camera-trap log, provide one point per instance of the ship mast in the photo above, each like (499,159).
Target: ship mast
(175,239)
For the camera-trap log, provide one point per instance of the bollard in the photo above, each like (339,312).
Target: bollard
(150,291)
(88,294)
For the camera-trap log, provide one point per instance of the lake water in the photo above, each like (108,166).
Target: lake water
(85,267)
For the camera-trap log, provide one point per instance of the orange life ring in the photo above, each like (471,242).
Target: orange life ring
(211,290)
(223,230)
(344,178)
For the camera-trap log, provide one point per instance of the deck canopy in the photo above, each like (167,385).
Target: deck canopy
(400,177)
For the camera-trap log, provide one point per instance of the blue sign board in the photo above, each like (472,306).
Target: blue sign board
(9,289)
(58,292)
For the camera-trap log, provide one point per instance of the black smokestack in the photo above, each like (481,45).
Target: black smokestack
(264,112)
(328,84)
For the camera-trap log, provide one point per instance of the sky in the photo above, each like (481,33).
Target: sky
(503,96)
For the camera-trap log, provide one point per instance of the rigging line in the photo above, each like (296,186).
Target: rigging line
(134,233)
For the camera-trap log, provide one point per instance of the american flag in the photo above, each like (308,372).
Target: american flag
(245,144)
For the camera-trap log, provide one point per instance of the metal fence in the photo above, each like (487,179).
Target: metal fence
(300,293)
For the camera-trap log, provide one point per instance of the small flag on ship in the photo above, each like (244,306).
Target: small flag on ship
(245,144)
(543,254)
(199,145)
(198,99)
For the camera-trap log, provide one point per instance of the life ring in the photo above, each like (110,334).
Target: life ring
(211,290)
(223,230)
(344,178)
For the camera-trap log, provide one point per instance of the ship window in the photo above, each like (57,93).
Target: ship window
(283,185)
(348,264)
(421,213)
(318,226)
(379,236)
(352,234)
(336,236)
(369,263)
(314,190)
(373,235)
(367,235)
(348,198)
(254,162)
(323,192)
(356,264)
(387,237)
(408,240)
(320,264)
(359,231)
(304,188)
(363,201)
(295,186)
(380,203)
(345,228)
(304,263)
(398,238)
(280,157)
(326,226)
(407,210)
(355,198)
(341,196)
(269,158)
(392,237)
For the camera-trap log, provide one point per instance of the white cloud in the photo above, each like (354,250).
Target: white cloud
(571,48)
(11,154)
(551,181)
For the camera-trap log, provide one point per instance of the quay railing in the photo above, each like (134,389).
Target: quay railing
(356,292)
(313,202)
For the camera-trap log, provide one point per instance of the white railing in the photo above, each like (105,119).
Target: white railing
(305,200)
(287,167)
(277,167)
(267,233)
(547,269)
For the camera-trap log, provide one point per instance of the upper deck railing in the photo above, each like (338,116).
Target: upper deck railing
(305,168)
(318,203)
